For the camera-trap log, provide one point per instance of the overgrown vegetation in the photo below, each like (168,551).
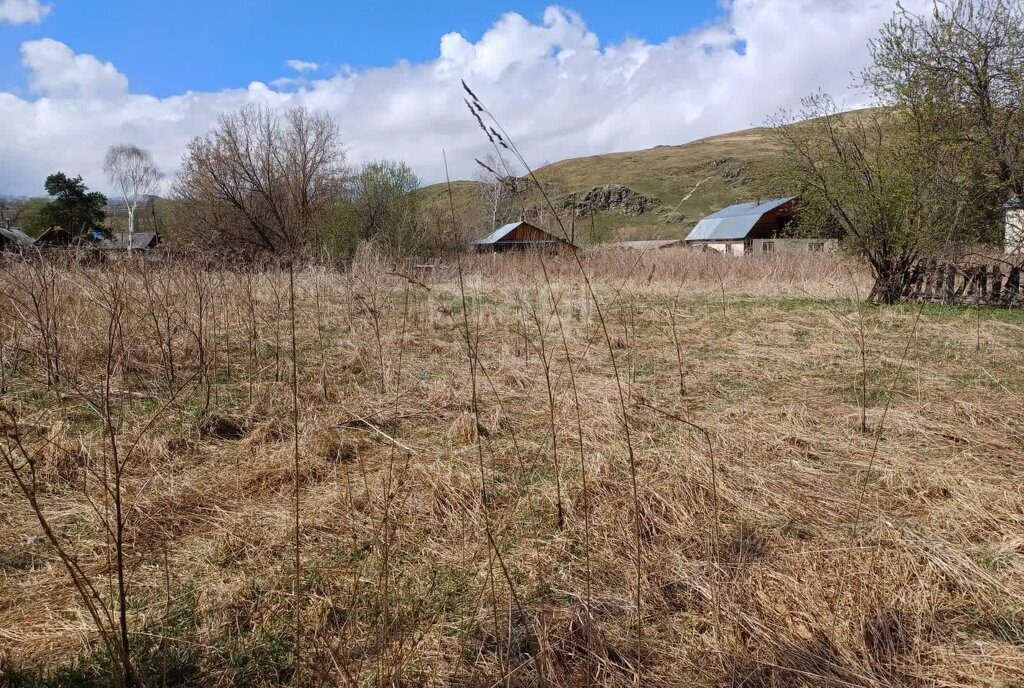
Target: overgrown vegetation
(929,174)
(572,469)
(442,543)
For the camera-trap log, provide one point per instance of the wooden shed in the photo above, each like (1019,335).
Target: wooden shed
(54,236)
(519,236)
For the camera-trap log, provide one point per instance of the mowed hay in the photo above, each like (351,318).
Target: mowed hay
(467,508)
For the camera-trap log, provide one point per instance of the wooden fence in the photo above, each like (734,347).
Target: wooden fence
(976,285)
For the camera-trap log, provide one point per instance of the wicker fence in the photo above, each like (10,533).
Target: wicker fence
(984,285)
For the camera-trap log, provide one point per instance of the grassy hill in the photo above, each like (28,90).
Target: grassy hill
(689,181)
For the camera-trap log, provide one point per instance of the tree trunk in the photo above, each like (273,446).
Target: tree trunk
(891,281)
(131,226)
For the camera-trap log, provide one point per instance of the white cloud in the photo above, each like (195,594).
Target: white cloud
(56,71)
(556,89)
(23,11)
(302,66)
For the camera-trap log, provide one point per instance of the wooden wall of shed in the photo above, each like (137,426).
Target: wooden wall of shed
(527,233)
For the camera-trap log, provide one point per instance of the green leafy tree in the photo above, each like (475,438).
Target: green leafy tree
(381,207)
(72,205)
(28,214)
(957,73)
(895,194)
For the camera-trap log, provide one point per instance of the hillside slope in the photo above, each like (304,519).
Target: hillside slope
(688,181)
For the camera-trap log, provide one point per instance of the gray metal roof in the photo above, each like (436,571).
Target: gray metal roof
(499,234)
(1014,203)
(119,242)
(734,222)
(16,236)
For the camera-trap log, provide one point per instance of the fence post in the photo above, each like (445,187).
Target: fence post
(950,289)
(911,288)
(1012,287)
(938,277)
(970,286)
(983,284)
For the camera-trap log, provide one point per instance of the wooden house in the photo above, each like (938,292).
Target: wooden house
(118,243)
(519,236)
(760,226)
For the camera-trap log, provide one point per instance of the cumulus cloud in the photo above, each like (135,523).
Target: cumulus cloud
(557,89)
(56,71)
(302,66)
(22,11)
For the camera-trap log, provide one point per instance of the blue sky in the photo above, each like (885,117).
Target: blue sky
(166,48)
(77,76)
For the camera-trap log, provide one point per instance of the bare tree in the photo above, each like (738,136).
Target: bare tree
(496,188)
(132,171)
(263,179)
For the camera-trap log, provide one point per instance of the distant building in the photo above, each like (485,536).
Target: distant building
(759,227)
(1013,233)
(54,237)
(519,236)
(13,240)
(140,241)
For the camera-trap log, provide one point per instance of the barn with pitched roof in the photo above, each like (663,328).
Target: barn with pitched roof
(755,227)
(519,236)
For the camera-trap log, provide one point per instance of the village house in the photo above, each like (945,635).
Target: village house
(119,243)
(519,236)
(756,227)
(56,238)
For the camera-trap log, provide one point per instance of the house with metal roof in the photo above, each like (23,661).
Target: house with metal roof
(735,229)
(519,236)
(139,241)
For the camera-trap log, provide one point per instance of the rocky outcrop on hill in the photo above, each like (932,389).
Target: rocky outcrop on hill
(613,198)
(729,169)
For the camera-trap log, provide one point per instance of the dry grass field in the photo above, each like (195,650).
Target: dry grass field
(725,472)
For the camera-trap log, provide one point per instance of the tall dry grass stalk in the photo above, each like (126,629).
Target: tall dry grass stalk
(780,544)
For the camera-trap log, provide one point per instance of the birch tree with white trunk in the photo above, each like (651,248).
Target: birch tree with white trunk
(132,171)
